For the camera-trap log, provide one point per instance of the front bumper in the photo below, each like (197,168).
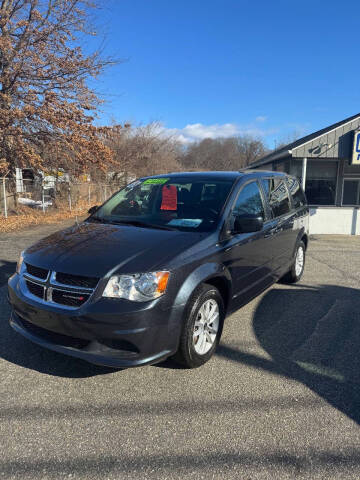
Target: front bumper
(110,332)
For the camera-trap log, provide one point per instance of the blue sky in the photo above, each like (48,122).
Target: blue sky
(222,67)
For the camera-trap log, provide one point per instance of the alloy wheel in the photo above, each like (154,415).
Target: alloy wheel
(299,261)
(206,327)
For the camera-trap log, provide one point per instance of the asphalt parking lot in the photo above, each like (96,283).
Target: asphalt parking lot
(280,400)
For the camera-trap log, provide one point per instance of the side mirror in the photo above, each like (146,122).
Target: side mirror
(93,209)
(247,224)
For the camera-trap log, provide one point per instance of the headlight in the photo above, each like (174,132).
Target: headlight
(139,287)
(20,262)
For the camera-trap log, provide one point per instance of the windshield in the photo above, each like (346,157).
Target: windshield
(189,204)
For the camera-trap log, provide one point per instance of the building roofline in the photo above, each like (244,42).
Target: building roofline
(286,150)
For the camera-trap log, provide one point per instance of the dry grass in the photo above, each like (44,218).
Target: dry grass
(26,217)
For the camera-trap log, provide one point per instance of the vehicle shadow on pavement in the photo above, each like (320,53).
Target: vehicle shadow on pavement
(313,336)
(18,350)
(6,270)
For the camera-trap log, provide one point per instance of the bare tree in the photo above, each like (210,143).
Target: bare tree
(286,139)
(143,150)
(46,106)
(250,149)
(230,153)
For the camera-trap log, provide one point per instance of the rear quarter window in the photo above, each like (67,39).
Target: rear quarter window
(296,192)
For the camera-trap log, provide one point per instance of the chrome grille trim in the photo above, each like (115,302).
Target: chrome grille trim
(27,265)
(54,282)
(49,285)
(33,294)
(36,279)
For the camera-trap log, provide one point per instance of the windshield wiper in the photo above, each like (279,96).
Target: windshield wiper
(139,223)
(97,219)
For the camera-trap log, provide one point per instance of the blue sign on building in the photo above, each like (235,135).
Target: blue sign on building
(356,149)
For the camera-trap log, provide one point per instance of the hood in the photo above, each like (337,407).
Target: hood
(95,249)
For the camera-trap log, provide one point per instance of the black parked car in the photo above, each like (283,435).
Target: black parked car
(154,271)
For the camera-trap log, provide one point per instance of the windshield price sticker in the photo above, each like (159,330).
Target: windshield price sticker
(169,198)
(155,181)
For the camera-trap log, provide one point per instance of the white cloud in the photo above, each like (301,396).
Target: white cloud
(261,119)
(181,138)
(199,131)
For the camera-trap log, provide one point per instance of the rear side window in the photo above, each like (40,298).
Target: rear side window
(249,201)
(296,192)
(277,195)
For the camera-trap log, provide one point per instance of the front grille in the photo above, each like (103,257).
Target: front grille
(37,271)
(76,280)
(35,289)
(78,292)
(71,299)
(53,337)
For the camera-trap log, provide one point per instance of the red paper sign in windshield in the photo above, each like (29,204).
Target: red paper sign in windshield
(169,198)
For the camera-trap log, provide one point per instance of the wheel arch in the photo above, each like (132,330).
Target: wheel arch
(213,274)
(301,237)
(224,287)
(305,239)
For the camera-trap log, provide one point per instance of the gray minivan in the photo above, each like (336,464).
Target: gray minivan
(154,271)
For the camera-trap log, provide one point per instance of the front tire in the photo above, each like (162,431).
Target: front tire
(202,327)
(297,268)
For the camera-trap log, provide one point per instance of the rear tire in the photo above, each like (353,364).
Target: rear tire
(202,327)
(297,268)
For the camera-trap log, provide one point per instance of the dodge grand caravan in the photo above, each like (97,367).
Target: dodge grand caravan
(154,271)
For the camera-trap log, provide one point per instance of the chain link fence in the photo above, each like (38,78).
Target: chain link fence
(48,197)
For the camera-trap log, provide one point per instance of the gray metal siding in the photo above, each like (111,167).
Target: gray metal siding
(334,144)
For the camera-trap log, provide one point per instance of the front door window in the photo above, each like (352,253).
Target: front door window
(249,202)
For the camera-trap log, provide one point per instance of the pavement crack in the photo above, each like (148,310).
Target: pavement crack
(343,274)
